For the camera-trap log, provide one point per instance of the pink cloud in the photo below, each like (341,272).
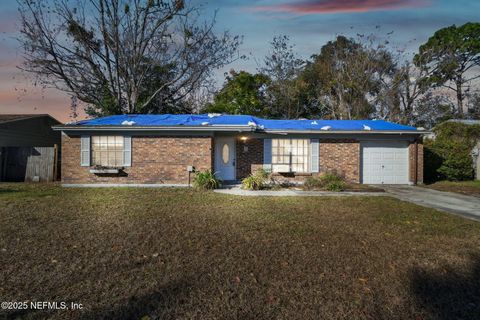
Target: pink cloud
(51,102)
(339,6)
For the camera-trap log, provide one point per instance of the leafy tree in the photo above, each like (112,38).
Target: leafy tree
(449,56)
(282,66)
(122,56)
(450,152)
(242,93)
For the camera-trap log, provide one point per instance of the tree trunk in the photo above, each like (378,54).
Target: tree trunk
(459,97)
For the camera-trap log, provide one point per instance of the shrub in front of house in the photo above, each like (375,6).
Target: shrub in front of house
(330,181)
(331,177)
(335,186)
(206,180)
(312,183)
(252,182)
(256,181)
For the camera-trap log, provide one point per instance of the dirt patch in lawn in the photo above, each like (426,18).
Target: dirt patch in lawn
(470,188)
(181,254)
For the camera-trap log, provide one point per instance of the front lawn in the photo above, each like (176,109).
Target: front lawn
(182,254)
(471,188)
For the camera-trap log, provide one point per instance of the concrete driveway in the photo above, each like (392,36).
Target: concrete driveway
(462,205)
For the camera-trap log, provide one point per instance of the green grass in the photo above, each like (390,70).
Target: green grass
(182,254)
(471,188)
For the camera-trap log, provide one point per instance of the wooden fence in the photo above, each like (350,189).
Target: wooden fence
(29,164)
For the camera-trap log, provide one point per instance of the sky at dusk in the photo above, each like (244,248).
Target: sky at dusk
(308,23)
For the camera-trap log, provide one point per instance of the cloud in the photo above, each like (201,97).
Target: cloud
(336,6)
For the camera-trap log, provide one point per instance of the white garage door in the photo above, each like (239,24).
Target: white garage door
(385,162)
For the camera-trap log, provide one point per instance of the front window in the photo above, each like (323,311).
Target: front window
(290,155)
(107,151)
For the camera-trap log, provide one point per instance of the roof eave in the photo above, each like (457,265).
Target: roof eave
(226,128)
(31,116)
(348,131)
(154,128)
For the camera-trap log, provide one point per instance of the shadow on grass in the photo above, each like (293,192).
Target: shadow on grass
(159,304)
(448,293)
(7,190)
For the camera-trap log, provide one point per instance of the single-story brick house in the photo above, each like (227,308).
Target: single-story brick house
(161,149)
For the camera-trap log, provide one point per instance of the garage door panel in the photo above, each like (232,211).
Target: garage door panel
(388,168)
(401,156)
(389,180)
(375,156)
(385,162)
(388,156)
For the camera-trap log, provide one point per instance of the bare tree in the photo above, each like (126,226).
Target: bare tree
(432,108)
(347,77)
(123,56)
(410,87)
(282,66)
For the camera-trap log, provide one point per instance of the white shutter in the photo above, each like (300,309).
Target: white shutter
(314,155)
(85,151)
(267,154)
(127,151)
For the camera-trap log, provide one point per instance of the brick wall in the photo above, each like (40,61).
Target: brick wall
(341,156)
(155,160)
(249,156)
(165,160)
(418,161)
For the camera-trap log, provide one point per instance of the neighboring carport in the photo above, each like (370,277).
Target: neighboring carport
(29,148)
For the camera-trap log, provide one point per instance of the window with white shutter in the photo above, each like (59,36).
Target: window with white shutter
(127,151)
(267,154)
(314,155)
(85,151)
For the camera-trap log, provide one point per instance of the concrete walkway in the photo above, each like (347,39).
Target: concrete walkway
(299,193)
(459,204)
(462,205)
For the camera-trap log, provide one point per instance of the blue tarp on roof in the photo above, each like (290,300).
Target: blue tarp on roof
(169,120)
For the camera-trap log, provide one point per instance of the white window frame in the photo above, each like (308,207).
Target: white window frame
(96,150)
(289,160)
